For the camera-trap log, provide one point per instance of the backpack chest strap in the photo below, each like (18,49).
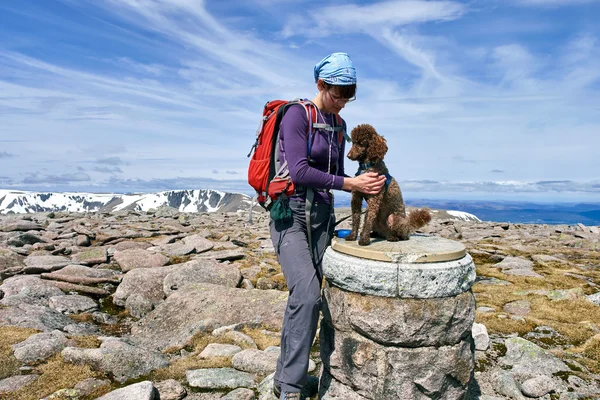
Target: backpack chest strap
(327,127)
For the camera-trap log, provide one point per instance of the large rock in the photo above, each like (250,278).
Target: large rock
(255,361)
(121,359)
(178,249)
(201,271)
(91,257)
(200,243)
(332,389)
(137,258)
(21,226)
(14,383)
(538,386)
(32,316)
(147,282)
(402,322)
(221,255)
(203,307)
(219,378)
(10,261)
(138,391)
(517,266)
(25,238)
(378,372)
(84,275)
(72,304)
(28,289)
(170,390)
(219,350)
(40,346)
(529,359)
(39,264)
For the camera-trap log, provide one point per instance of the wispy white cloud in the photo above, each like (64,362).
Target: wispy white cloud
(179,108)
(553,3)
(386,14)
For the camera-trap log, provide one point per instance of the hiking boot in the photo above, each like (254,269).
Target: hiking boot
(290,396)
(277,391)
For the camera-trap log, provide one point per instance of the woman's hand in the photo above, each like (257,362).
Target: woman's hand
(368,183)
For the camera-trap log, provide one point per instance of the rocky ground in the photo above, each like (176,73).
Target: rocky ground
(130,305)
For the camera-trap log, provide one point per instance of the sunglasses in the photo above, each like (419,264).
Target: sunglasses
(340,100)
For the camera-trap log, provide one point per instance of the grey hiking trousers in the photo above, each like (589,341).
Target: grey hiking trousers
(303,274)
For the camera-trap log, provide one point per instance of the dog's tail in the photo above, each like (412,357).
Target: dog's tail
(419,218)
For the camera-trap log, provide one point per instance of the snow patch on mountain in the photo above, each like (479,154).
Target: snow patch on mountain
(12,201)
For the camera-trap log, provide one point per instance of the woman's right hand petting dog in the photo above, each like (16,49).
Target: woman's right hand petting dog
(386,212)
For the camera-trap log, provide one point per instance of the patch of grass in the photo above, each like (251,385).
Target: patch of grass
(577,320)
(566,317)
(261,339)
(591,349)
(279,279)
(10,335)
(198,342)
(177,369)
(55,374)
(87,342)
(505,326)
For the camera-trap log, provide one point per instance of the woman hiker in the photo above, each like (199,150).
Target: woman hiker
(300,261)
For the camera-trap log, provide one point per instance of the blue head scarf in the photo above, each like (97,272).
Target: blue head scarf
(336,69)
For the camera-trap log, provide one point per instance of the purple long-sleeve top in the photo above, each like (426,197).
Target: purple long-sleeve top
(326,169)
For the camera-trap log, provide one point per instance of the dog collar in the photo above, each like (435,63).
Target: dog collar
(362,168)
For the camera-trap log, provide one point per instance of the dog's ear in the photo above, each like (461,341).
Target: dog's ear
(377,148)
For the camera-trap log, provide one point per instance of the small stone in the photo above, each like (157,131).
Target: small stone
(241,339)
(219,350)
(519,308)
(219,378)
(484,310)
(83,241)
(255,361)
(138,391)
(246,284)
(137,258)
(481,337)
(90,385)
(538,386)
(64,394)
(40,346)
(14,383)
(170,390)
(505,384)
(239,394)
(72,304)
(104,318)
(93,256)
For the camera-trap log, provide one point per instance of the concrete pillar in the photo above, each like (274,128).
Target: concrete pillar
(397,320)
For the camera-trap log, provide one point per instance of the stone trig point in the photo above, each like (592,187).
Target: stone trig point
(397,320)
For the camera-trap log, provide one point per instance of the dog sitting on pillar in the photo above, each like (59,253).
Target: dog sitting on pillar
(385,215)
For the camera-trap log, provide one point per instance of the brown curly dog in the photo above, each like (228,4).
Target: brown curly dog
(386,212)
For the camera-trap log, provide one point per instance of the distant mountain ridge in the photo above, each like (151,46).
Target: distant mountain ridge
(203,200)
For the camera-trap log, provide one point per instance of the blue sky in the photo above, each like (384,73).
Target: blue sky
(480,99)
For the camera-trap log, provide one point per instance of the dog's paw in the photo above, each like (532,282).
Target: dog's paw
(351,236)
(364,241)
(392,239)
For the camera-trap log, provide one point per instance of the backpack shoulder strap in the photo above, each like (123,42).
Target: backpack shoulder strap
(342,134)
(311,117)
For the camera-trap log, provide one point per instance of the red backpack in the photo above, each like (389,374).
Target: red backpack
(266,174)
